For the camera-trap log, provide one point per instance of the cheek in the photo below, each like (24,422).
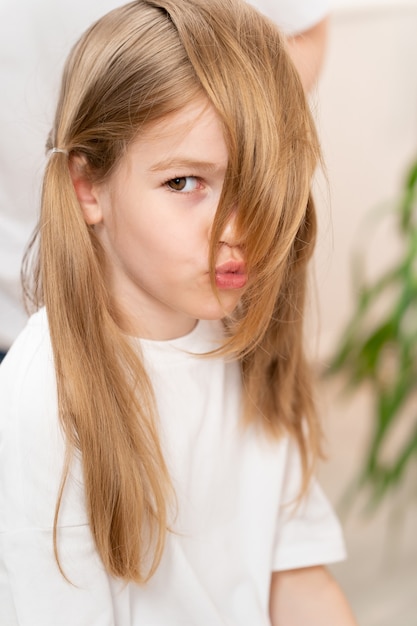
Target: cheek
(168,234)
(149,244)
(154,226)
(230,300)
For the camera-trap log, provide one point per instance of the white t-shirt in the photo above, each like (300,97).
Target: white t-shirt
(35,39)
(236,521)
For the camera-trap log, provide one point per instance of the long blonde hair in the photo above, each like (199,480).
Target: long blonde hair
(134,66)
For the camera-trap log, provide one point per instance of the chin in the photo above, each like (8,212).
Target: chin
(218,310)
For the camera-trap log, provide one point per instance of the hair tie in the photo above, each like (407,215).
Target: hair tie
(59,150)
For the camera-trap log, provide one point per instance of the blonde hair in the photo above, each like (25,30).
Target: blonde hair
(134,66)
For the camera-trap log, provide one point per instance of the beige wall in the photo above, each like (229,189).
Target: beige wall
(366,109)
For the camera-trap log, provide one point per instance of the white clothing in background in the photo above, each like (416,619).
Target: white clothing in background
(36,37)
(236,520)
(293,16)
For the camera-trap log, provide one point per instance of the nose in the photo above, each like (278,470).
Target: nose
(229,234)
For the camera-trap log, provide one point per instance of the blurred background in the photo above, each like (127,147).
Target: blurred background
(366,110)
(365,105)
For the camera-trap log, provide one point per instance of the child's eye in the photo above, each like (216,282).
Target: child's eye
(183,183)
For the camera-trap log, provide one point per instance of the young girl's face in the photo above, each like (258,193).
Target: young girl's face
(154,217)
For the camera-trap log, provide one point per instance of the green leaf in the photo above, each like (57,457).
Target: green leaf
(384,352)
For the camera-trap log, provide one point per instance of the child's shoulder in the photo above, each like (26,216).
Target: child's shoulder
(27,372)
(32,447)
(32,341)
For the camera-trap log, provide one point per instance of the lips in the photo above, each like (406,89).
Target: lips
(231,275)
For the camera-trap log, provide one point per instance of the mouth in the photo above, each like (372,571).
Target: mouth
(231,275)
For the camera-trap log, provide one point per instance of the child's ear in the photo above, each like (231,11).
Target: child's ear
(85,189)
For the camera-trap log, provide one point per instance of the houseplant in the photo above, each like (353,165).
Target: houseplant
(378,349)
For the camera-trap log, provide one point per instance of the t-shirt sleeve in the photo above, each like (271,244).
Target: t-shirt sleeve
(308,532)
(293,16)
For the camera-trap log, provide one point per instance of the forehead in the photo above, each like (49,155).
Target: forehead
(193,133)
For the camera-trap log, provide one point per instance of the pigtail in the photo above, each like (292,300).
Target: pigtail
(99,382)
(285,399)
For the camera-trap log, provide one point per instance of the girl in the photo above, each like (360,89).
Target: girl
(158,431)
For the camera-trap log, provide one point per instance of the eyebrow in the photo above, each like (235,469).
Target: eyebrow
(191,164)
